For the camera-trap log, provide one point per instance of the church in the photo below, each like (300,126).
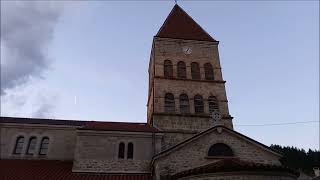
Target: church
(188,134)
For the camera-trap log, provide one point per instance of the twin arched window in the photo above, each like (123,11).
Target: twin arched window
(44,146)
(182,70)
(122,148)
(31,146)
(19,145)
(130,151)
(220,149)
(169,104)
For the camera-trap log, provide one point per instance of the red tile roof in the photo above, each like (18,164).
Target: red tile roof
(92,125)
(180,25)
(232,165)
(21,120)
(119,126)
(54,170)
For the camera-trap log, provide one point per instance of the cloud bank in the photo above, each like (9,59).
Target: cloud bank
(27,28)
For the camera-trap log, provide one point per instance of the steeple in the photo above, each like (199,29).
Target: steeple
(186,90)
(179,25)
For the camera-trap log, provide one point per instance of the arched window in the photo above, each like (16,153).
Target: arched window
(121,150)
(213,104)
(168,69)
(130,151)
(198,104)
(32,145)
(184,104)
(220,149)
(195,70)
(181,70)
(19,145)
(44,146)
(208,71)
(169,105)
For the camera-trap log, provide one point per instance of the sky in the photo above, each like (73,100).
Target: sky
(86,60)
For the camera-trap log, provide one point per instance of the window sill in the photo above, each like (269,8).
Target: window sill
(196,80)
(204,115)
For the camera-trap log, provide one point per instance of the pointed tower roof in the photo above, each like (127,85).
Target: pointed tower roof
(180,25)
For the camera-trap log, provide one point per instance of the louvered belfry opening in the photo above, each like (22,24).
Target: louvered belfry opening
(184,104)
(213,104)
(182,72)
(195,71)
(168,69)
(169,103)
(208,71)
(198,104)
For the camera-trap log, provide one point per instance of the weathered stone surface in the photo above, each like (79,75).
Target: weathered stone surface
(111,166)
(194,153)
(172,138)
(62,140)
(202,52)
(97,151)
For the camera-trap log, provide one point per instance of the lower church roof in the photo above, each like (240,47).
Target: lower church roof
(85,125)
(234,165)
(53,170)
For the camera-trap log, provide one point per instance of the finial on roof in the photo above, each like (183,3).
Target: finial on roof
(175,1)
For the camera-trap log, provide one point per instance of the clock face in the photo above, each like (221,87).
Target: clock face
(187,50)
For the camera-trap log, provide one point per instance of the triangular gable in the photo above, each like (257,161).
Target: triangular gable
(180,25)
(215,128)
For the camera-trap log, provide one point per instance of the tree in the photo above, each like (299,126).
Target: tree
(298,159)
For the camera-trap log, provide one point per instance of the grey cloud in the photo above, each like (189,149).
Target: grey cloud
(27,28)
(44,111)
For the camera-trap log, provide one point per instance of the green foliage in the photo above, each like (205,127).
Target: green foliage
(298,159)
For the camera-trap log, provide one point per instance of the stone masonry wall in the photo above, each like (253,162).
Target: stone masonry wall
(111,166)
(172,138)
(62,141)
(150,87)
(191,88)
(202,52)
(194,154)
(97,151)
(185,123)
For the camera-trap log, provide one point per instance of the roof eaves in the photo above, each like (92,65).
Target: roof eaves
(203,133)
(120,130)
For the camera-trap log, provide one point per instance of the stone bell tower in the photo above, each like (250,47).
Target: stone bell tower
(185,80)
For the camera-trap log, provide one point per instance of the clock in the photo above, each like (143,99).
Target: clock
(187,50)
